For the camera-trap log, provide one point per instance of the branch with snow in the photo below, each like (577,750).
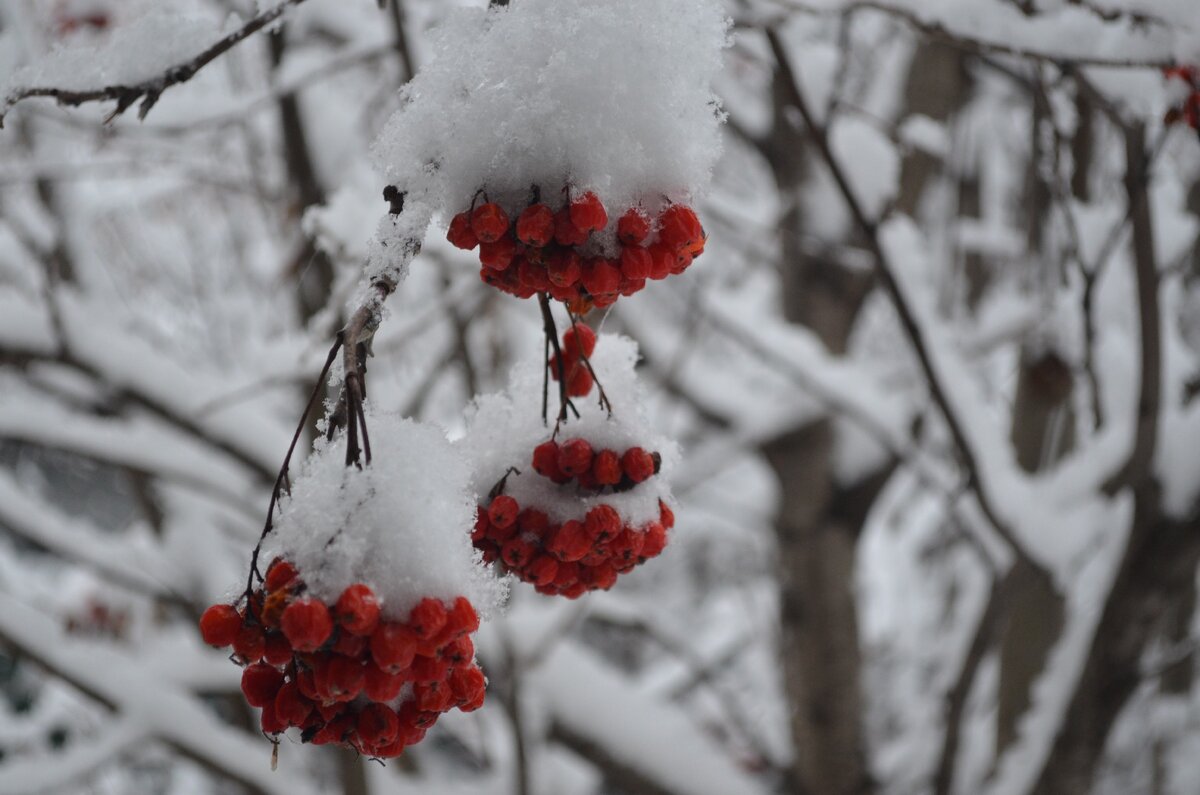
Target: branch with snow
(148,90)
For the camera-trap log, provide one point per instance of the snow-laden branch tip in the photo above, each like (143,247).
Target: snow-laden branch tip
(62,67)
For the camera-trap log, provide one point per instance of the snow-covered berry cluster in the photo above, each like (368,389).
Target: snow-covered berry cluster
(569,558)
(343,673)
(571,253)
(1185,84)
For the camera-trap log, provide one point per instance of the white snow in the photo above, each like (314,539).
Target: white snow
(401,524)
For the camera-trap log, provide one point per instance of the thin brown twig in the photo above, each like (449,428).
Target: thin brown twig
(149,91)
(904,312)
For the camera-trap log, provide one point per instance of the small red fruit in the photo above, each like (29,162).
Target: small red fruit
(279,574)
(489,222)
(219,625)
(679,226)
(260,683)
(427,618)
(307,624)
(461,234)
(638,464)
(535,226)
(357,610)
(575,457)
(579,340)
(503,511)
(633,228)
(600,277)
(498,254)
(587,213)
(606,467)
(393,647)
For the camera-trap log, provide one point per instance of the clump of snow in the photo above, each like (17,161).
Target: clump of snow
(502,430)
(146,39)
(401,524)
(612,97)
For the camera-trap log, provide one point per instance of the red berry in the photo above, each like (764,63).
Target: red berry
(587,213)
(634,227)
(260,683)
(291,707)
(666,515)
(638,464)
(579,382)
(427,618)
(279,574)
(655,540)
(565,232)
(340,678)
(459,651)
(533,276)
(498,254)
(503,511)
(579,340)
(600,277)
(468,686)
(545,460)
(570,543)
(277,651)
(489,222)
(482,525)
(602,523)
(250,643)
(462,618)
(516,552)
(358,610)
(533,521)
(429,669)
(606,467)
(679,227)
(377,725)
(636,263)
(574,457)
(219,625)
(393,647)
(662,260)
(349,645)
(563,268)
(461,234)
(307,624)
(542,570)
(433,696)
(535,226)
(270,722)
(380,685)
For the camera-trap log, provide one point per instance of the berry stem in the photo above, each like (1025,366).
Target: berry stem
(282,478)
(551,332)
(605,403)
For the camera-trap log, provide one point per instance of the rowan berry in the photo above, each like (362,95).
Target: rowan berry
(291,707)
(357,610)
(276,650)
(219,625)
(545,460)
(637,464)
(542,570)
(654,541)
(489,222)
(563,268)
(565,232)
(516,552)
(393,647)
(606,467)
(570,542)
(377,725)
(587,213)
(580,382)
(307,624)
(535,226)
(380,685)
(636,263)
(427,618)
(503,511)
(600,278)
(280,574)
(498,254)
(461,234)
(468,686)
(579,340)
(602,523)
(250,643)
(678,226)
(634,227)
(260,683)
(574,457)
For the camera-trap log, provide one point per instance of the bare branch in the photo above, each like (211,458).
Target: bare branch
(908,320)
(148,91)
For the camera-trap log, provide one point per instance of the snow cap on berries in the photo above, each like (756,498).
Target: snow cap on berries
(613,97)
(504,429)
(401,525)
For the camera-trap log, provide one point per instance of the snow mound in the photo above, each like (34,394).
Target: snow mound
(503,429)
(401,524)
(612,97)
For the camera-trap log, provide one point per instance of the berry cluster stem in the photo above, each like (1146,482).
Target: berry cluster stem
(281,481)
(551,331)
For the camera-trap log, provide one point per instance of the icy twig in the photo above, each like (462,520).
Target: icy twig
(148,91)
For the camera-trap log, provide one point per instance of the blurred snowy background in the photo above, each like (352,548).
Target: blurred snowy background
(939,529)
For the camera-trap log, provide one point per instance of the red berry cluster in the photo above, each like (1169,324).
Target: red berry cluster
(544,251)
(578,343)
(1188,111)
(576,556)
(342,673)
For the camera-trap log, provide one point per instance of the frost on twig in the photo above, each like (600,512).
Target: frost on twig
(129,67)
